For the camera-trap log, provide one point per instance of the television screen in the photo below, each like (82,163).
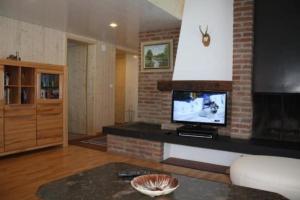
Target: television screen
(199,107)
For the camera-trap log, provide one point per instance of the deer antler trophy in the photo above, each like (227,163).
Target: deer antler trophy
(205,37)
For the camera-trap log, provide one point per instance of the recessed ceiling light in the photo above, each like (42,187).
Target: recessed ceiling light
(113,25)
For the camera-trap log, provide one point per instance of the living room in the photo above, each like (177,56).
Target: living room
(194,99)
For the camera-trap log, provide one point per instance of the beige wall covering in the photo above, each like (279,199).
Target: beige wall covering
(126,87)
(91,67)
(120,87)
(104,108)
(131,95)
(77,65)
(34,42)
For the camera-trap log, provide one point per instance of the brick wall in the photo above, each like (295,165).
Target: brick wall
(155,106)
(241,111)
(144,149)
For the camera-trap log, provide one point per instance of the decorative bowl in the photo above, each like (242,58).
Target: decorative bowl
(155,184)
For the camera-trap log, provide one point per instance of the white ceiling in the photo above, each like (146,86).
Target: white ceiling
(91,17)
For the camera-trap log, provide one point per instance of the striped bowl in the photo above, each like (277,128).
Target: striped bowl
(155,184)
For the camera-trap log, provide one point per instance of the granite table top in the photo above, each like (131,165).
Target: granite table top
(102,183)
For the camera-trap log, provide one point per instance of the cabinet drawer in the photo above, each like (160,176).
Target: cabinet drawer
(1,111)
(54,108)
(19,132)
(14,111)
(49,128)
(1,135)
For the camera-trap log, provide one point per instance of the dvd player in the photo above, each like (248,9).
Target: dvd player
(198,132)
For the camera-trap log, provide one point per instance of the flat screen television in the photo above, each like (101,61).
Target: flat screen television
(199,107)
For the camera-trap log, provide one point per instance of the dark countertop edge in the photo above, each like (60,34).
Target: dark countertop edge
(223,143)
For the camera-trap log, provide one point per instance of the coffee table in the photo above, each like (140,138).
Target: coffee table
(102,183)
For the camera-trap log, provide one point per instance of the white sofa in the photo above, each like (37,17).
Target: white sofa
(275,174)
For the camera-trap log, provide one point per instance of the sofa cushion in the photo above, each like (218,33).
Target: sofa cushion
(275,174)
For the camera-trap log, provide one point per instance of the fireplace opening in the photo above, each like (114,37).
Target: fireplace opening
(276,117)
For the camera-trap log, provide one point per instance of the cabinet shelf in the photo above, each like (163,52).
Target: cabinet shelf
(12,95)
(49,86)
(11,75)
(19,85)
(27,76)
(53,88)
(11,86)
(27,95)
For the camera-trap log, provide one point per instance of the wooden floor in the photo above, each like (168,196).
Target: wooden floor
(21,175)
(78,142)
(76,136)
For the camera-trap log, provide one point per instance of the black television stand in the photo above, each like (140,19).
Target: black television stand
(198,131)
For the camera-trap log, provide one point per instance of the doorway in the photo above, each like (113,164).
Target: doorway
(120,87)
(77,61)
(126,87)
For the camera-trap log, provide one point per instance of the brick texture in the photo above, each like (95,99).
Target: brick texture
(154,106)
(138,148)
(241,111)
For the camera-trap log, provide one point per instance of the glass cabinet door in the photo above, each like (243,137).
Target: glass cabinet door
(49,86)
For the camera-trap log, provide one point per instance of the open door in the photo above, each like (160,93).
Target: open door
(77,82)
(120,87)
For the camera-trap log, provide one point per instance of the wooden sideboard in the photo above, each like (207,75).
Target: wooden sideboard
(32,106)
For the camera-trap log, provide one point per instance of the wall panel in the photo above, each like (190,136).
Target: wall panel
(34,43)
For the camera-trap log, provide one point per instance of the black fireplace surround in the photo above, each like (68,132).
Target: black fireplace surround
(276,70)
(276,117)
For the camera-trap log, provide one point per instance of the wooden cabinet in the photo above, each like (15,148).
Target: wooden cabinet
(49,85)
(19,85)
(49,107)
(31,106)
(49,123)
(1,135)
(1,109)
(20,128)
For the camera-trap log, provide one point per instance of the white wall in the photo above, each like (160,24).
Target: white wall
(131,84)
(193,60)
(217,157)
(196,62)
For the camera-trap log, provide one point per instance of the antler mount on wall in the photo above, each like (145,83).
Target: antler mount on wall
(205,36)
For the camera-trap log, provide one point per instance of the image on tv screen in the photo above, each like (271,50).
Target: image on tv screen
(199,107)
